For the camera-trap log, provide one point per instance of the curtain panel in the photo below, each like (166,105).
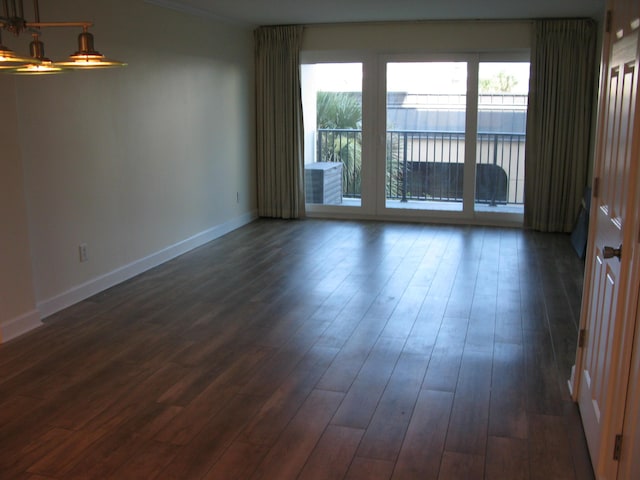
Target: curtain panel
(561,99)
(279,128)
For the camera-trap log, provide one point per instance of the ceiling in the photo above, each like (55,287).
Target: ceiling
(280,12)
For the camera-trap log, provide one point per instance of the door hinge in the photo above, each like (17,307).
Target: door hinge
(582,337)
(596,187)
(617,447)
(608,21)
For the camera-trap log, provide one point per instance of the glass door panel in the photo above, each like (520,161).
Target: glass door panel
(425,135)
(332,106)
(503,89)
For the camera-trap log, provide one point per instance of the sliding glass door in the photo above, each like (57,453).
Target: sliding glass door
(455,136)
(412,137)
(503,90)
(426,106)
(332,104)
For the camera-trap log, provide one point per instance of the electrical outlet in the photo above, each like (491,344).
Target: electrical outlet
(82,250)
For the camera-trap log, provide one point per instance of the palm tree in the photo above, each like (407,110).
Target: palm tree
(339,110)
(341,114)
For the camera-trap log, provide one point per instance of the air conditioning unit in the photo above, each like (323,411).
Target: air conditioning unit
(323,183)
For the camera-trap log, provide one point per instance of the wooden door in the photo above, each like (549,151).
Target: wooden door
(609,301)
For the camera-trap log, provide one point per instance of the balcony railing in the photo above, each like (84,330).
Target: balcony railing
(429,165)
(343,145)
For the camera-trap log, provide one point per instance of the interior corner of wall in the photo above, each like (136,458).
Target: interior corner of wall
(20,325)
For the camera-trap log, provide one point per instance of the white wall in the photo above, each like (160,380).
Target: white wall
(420,37)
(17,300)
(140,163)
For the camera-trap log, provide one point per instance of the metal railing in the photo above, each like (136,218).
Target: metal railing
(506,152)
(343,145)
(429,165)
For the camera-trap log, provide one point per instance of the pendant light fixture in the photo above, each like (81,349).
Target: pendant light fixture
(86,56)
(13,20)
(40,65)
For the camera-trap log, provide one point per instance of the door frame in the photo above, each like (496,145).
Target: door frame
(630,464)
(471,122)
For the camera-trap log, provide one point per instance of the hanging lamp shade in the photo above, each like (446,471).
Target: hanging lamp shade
(39,64)
(10,60)
(87,57)
(43,68)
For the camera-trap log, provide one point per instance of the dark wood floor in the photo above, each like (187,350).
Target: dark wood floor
(313,350)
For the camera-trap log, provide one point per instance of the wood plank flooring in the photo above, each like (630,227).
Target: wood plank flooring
(311,350)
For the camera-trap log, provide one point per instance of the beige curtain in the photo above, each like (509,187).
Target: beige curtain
(561,95)
(279,137)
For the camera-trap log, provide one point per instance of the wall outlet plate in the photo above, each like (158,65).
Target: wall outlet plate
(82,252)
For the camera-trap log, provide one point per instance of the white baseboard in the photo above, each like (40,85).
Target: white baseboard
(81,292)
(17,326)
